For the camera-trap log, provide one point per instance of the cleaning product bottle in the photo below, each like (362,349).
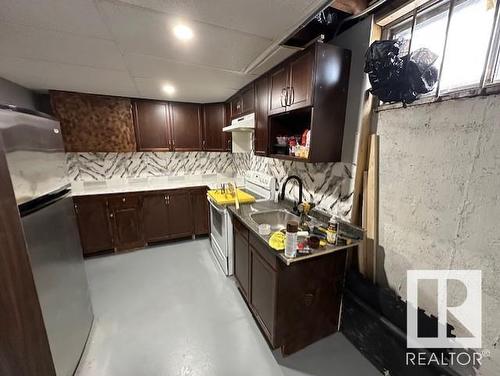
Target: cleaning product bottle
(292,227)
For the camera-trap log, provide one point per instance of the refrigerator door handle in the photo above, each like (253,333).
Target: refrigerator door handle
(45,200)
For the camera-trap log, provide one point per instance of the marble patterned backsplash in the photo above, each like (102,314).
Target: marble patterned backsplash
(329,185)
(105,166)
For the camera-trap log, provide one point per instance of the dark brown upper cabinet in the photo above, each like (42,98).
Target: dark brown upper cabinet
(151,126)
(261,105)
(278,83)
(243,102)
(292,83)
(300,89)
(185,126)
(214,139)
(308,92)
(228,136)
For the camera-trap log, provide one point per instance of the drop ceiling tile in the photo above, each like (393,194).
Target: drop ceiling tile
(280,54)
(265,18)
(41,75)
(185,91)
(142,31)
(28,42)
(79,17)
(141,66)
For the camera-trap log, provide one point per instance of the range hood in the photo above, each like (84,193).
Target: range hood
(242,124)
(242,131)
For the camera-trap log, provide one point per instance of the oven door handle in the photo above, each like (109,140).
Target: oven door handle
(216,207)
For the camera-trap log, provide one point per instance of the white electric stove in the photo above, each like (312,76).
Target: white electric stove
(259,185)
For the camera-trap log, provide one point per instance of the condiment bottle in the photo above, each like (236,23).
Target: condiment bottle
(292,227)
(331,232)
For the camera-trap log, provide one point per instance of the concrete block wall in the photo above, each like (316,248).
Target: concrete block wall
(440,201)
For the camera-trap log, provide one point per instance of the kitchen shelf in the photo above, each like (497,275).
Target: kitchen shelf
(288,157)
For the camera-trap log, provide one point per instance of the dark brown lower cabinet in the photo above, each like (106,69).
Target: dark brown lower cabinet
(94,223)
(263,293)
(125,213)
(200,211)
(294,305)
(132,220)
(241,258)
(155,217)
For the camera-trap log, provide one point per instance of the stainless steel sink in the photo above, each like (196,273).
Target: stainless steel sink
(277,219)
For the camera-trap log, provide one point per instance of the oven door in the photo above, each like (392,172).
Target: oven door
(218,234)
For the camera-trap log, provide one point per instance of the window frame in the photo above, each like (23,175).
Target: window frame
(487,84)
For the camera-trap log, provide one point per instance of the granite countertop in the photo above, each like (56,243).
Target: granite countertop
(243,214)
(213,181)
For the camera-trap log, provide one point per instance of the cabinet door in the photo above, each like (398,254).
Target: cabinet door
(151,131)
(180,217)
(228,139)
(241,258)
(185,121)
(155,217)
(278,83)
(301,81)
(127,220)
(247,99)
(261,105)
(236,106)
(93,224)
(200,211)
(263,292)
(213,136)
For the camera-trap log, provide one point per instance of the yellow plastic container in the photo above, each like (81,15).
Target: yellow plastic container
(225,198)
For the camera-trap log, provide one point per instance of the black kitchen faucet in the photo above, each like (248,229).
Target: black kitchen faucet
(282,195)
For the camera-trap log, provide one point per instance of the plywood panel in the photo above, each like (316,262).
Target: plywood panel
(94,123)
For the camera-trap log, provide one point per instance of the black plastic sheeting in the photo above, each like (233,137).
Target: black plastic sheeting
(399,79)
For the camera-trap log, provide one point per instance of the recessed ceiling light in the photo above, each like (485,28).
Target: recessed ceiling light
(168,89)
(183,32)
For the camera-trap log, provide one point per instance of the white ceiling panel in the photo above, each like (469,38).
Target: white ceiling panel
(280,54)
(29,42)
(40,75)
(266,18)
(73,16)
(185,91)
(138,30)
(153,67)
(127,47)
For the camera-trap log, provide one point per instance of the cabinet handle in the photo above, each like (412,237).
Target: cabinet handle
(283,93)
(76,208)
(292,97)
(124,199)
(204,143)
(173,144)
(111,215)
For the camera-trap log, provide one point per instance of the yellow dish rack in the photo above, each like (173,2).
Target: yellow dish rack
(227,197)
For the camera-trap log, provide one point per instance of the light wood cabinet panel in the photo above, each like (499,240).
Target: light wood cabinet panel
(94,123)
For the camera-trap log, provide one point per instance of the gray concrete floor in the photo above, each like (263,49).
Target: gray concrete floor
(169,311)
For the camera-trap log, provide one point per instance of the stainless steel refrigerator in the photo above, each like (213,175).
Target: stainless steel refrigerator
(35,156)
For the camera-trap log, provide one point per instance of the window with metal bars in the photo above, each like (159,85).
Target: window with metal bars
(465,36)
